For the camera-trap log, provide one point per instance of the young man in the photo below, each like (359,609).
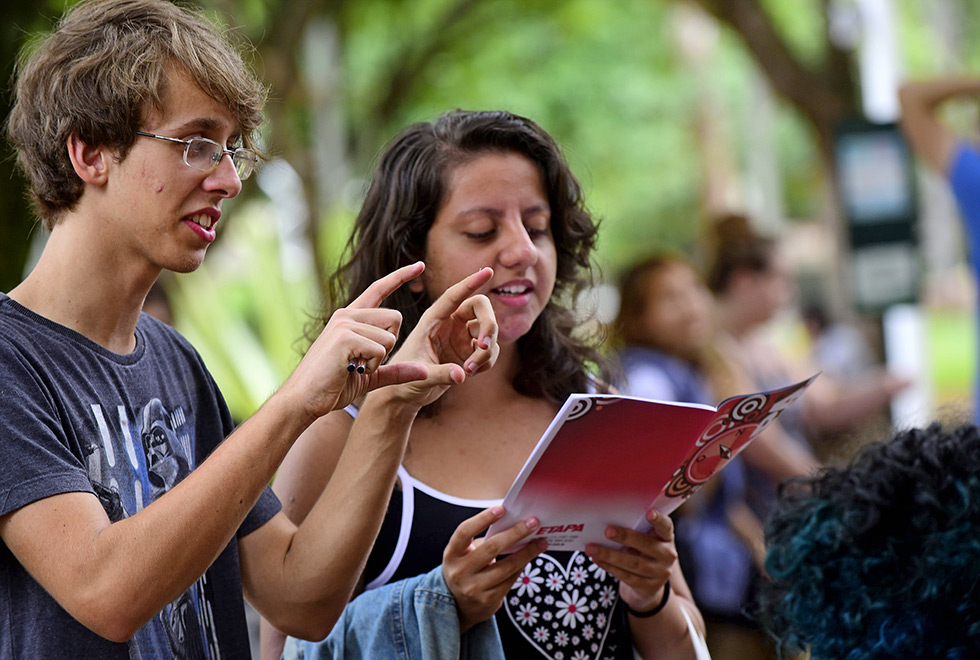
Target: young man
(952,156)
(129,528)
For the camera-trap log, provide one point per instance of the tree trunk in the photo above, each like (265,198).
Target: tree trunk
(824,95)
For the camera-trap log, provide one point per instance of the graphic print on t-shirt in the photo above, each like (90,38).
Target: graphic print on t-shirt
(136,458)
(564,610)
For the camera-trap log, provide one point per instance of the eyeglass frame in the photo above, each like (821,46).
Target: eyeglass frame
(250,155)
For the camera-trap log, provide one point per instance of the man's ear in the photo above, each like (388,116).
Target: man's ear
(90,163)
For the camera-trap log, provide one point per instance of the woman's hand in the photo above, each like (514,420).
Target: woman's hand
(477,578)
(455,338)
(322,381)
(643,565)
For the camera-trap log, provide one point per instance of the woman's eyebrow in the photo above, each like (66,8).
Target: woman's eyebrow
(536,208)
(481,210)
(495,212)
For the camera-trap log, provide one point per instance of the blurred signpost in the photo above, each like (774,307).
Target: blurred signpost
(877,183)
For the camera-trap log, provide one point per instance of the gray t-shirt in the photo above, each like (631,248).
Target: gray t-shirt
(77,417)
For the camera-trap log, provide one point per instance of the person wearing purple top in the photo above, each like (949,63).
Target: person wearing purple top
(664,333)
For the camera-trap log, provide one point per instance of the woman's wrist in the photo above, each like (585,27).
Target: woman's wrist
(656,610)
(386,401)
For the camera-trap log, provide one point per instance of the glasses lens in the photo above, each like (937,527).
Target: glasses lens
(245,161)
(202,154)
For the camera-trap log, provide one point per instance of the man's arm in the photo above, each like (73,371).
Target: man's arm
(114,577)
(930,139)
(301,577)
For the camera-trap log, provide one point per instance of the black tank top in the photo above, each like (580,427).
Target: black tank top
(562,607)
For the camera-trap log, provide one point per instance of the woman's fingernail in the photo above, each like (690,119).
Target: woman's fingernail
(531,522)
(498,510)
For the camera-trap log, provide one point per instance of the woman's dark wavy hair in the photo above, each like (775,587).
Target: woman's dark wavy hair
(407,191)
(881,559)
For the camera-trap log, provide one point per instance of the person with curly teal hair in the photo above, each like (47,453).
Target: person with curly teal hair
(881,558)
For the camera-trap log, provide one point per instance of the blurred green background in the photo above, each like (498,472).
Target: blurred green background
(668,110)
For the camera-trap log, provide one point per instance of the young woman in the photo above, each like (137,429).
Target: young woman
(469,190)
(666,335)
(664,329)
(671,348)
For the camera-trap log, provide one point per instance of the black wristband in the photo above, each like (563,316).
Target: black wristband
(656,610)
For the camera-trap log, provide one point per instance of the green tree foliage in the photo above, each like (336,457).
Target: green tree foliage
(607,79)
(18,21)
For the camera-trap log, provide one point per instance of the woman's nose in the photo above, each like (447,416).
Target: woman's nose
(518,249)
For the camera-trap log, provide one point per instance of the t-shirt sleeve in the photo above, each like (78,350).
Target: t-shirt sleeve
(267,506)
(35,450)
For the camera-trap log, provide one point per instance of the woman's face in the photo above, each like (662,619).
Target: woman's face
(677,311)
(495,213)
(770,290)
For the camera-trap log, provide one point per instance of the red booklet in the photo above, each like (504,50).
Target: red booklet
(606,460)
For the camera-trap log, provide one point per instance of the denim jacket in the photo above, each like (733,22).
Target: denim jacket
(412,619)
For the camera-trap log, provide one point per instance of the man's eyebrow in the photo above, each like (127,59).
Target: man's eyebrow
(204,124)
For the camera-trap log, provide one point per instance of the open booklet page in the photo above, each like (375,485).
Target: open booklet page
(606,460)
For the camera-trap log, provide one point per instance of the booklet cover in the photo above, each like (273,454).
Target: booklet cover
(607,459)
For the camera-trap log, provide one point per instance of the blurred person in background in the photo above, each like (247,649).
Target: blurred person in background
(665,333)
(752,283)
(838,349)
(662,328)
(954,157)
(880,559)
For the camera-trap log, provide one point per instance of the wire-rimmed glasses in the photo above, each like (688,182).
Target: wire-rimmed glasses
(204,154)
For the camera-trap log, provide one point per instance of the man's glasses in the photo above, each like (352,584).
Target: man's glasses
(204,154)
